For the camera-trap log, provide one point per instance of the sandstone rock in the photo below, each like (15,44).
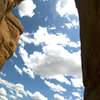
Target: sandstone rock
(10,29)
(89,15)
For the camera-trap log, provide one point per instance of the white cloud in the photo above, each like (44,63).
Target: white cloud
(26,8)
(45,0)
(42,36)
(58,97)
(72,24)
(24,38)
(53,61)
(18,69)
(60,78)
(19,95)
(76,94)
(12,92)
(56,88)
(29,72)
(66,8)
(77,82)
(15,88)
(3,92)
(12,97)
(3,74)
(37,96)
(51,28)
(74,44)
(17,91)
(15,55)
(30,94)
(3,98)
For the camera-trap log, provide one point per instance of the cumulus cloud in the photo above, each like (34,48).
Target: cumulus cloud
(26,8)
(41,36)
(56,88)
(18,69)
(54,60)
(58,97)
(66,8)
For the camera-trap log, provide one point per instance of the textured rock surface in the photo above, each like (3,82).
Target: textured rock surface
(10,29)
(89,14)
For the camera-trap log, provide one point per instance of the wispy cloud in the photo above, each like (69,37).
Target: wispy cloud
(15,88)
(18,69)
(54,87)
(17,91)
(60,78)
(29,72)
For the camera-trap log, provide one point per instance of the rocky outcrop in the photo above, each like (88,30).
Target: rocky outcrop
(89,15)
(10,29)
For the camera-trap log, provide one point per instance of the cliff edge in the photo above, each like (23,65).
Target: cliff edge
(89,16)
(10,29)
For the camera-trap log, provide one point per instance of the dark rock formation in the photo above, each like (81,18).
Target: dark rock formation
(89,15)
(10,29)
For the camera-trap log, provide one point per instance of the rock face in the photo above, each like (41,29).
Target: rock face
(10,29)
(89,15)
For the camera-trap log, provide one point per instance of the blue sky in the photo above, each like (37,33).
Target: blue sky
(46,64)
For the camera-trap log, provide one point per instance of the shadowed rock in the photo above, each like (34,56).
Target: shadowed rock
(89,15)
(10,29)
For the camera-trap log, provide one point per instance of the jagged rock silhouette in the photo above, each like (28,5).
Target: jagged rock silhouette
(89,16)
(10,29)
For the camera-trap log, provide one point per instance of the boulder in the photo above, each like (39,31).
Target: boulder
(10,29)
